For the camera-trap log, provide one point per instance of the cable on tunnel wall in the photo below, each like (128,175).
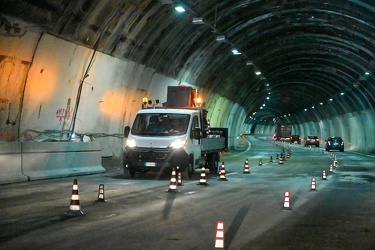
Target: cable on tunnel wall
(79,92)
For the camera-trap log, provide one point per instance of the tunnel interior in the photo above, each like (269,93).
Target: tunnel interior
(257,63)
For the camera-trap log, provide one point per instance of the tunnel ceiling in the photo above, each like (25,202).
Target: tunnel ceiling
(316,58)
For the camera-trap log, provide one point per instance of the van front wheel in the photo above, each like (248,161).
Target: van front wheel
(129,173)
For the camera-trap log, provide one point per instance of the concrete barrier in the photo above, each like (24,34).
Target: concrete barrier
(10,163)
(43,160)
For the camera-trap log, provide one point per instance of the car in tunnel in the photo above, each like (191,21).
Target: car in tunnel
(312,140)
(336,143)
(295,139)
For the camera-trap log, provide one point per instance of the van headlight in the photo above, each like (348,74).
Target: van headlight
(130,143)
(178,144)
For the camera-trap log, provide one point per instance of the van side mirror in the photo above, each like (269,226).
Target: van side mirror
(126,131)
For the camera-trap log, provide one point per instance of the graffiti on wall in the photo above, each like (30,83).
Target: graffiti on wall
(63,114)
(3,102)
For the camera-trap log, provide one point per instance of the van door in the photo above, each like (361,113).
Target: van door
(196,143)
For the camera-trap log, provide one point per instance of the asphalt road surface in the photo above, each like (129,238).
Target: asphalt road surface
(140,214)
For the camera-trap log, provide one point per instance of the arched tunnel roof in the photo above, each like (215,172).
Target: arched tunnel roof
(316,58)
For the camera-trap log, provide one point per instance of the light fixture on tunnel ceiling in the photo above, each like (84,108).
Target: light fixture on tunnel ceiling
(342,93)
(312,107)
(268,98)
(321,103)
(330,99)
(236,52)
(248,63)
(257,72)
(367,73)
(305,109)
(220,38)
(198,20)
(179,8)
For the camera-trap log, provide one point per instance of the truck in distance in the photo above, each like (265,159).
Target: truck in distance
(283,132)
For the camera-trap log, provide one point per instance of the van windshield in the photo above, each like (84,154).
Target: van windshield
(153,124)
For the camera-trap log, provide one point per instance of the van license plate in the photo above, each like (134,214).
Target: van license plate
(150,164)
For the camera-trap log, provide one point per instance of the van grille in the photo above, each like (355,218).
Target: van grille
(146,154)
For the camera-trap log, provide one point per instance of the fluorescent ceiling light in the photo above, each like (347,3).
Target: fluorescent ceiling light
(198,20)
(258,72)
(220,38)
(235,52)
(249,63)
(179,8)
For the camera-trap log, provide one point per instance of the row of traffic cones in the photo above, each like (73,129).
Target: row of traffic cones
(313,183)
(174,182)
(202,180)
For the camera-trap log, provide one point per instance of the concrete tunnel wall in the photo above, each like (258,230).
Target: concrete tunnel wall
(39,81)
(356,129)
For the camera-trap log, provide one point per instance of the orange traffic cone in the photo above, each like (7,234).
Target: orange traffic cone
(260,162)
(101,193)
(313,184)
(202,180)
(172,183)
(219,238)
(75,208)
(330,168)
(281,160)
(246,169)
(222,173)
(286,199)
(324,175)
